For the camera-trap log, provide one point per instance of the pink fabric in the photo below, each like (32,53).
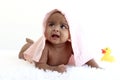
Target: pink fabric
(79,44)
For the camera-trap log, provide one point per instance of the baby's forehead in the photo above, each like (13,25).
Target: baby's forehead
(57,13)
(56,16)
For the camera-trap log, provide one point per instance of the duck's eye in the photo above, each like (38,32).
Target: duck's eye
(106,48)
(51,24)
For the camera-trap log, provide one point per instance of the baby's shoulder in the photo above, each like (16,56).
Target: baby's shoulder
(47,46)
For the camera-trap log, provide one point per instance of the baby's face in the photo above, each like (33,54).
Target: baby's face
(57,29)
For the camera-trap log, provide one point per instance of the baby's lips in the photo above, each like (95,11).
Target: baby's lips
(55,35)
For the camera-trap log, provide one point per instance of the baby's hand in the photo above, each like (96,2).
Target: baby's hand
(61,68)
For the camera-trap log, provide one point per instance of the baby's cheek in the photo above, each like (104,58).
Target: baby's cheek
(67,36)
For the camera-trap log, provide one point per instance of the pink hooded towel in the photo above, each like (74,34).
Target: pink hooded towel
(80,49)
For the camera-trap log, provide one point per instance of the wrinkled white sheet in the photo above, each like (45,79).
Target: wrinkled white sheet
(12,68)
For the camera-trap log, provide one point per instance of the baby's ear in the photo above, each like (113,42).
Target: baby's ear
(69,40)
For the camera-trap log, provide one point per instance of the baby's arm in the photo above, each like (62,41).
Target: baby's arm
(60,68)
(42,64)
(92,63)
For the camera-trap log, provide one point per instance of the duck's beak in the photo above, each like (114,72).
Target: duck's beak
(103,51)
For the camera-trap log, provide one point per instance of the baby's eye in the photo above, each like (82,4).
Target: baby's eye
(51,24)
(63,26)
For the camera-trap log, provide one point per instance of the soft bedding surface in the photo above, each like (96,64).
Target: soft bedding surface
(12,68)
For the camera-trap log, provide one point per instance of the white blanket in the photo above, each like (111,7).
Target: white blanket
(12,68)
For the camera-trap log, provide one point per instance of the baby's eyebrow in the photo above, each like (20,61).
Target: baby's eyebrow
(50,22)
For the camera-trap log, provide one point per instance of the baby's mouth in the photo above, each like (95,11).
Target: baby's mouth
(55,36)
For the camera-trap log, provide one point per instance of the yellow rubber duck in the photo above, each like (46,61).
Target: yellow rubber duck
(107,57)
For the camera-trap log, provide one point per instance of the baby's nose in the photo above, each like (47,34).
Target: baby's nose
(57,28)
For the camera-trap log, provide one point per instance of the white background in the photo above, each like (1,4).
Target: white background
(23,18)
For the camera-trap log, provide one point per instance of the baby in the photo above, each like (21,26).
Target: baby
(57,50)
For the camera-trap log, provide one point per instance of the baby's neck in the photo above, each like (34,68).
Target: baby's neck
(62,45)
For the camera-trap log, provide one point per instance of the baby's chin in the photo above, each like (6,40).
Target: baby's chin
(57,41)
